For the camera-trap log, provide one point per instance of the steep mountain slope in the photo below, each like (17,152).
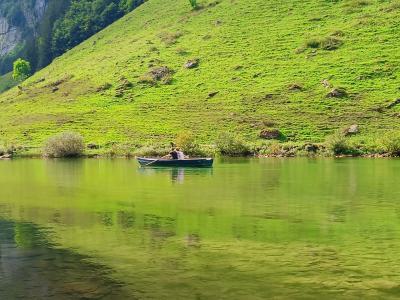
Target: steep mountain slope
(40,30)
(261,64)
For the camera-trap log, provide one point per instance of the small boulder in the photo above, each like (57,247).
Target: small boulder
(6,156)
(191,64)
(353,129)
(270,134)
(337,93)
(54,89)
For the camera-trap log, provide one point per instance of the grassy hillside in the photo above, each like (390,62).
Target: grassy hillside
(269,63)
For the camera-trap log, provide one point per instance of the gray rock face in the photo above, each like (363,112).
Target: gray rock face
(10,35)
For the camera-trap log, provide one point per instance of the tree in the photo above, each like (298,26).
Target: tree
(22,69)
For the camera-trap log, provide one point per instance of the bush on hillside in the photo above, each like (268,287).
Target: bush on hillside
(328,43)
(337,143)
(7,149)
(156,75)
(125,150)
(231,145)
(67,144)
(391,143)
(187,142)
(152,151)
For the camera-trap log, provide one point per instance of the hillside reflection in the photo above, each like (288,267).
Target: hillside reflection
(32,268)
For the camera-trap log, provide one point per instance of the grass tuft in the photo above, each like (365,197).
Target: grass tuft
(328,43)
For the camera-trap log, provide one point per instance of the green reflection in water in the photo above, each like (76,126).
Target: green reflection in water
(31,268)
(246,229)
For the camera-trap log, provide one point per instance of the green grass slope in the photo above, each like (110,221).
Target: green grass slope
(250,53)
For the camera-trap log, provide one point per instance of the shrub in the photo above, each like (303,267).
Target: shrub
(187,142)
(391,143)
(67,144)
(120,150)
(274,149)
(7,149)
(157,74)
(152,151)
(147,79)
(331,43)
(327,43)
(170,38)
(337,143)
(313,43)
(229,144)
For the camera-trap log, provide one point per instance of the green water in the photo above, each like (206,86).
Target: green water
(246,229)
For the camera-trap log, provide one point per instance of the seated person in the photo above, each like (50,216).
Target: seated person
(174,154)
(181,155)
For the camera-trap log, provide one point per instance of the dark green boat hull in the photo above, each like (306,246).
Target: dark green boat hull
(186,163)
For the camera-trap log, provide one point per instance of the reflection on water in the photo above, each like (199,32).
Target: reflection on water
(31,268)
(246,229)
(177,174)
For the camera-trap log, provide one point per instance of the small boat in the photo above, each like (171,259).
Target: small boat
(164,162)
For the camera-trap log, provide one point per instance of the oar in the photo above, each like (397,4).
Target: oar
(152,162)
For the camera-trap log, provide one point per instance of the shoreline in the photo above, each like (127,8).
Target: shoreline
(228,148)
(128,157)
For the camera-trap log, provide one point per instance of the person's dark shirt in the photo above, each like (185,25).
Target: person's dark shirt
(174,154)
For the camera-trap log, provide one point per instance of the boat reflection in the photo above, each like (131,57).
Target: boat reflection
(177,175)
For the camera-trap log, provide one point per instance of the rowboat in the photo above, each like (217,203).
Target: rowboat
(163,162)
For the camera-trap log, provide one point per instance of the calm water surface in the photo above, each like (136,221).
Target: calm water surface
(246,229)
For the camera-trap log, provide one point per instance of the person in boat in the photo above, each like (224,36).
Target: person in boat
(180,153)
(174,154)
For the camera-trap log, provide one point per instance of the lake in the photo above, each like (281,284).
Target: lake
(245,229)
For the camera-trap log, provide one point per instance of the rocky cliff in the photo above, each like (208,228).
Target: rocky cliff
(18,21)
